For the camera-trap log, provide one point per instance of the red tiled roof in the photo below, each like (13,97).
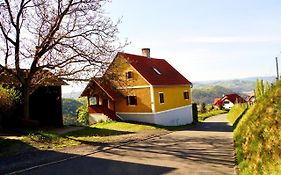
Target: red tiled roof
(104,85)
(234,98)
(145,66)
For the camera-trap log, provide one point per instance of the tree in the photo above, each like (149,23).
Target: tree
(70,38)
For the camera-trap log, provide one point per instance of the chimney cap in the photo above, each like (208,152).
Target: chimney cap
(146,52)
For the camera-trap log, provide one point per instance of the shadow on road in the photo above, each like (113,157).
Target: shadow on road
(211,126)
(75,165)
(92,165)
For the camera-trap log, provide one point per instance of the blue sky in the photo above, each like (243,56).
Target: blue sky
(204,39)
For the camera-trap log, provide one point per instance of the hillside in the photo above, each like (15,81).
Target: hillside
(244,85)
(207,94)
(258,136)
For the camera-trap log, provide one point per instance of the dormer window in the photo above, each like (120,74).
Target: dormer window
(156,70)
(129,75)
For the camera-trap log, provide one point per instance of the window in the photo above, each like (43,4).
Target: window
(92,101)
(131,100)
(186,95)
(161,97)
(129,75)
(156,70)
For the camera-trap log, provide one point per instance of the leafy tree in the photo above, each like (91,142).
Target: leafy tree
(70,38)
(70,106)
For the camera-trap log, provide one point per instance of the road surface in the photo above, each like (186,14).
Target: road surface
(204,149)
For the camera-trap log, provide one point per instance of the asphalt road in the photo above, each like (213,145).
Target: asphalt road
(205,149)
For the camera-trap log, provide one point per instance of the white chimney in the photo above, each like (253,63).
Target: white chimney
(146,52)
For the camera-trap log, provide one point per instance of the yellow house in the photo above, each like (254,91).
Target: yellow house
(146,90)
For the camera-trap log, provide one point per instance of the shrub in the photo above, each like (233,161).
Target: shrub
(83,114)
(9,98)
(203,108)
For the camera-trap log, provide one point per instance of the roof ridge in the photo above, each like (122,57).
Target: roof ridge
(141,56)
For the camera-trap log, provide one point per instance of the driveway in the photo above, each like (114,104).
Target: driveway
(204,149)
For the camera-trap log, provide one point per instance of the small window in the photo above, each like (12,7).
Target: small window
(161,97)
(186,95)
(131,100)
(92,101)
(129,75)
(156,70)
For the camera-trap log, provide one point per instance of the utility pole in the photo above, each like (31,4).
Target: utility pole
(277,69)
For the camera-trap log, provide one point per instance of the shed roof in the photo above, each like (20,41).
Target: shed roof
(43,77)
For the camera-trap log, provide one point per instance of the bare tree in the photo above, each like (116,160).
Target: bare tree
(70,38)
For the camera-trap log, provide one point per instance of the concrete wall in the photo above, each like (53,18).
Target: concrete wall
(97,117)
(174,117)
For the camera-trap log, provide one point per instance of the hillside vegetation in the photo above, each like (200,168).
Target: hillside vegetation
(208,94)
(258,136)
(238,86)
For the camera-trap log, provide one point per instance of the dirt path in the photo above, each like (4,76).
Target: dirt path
(201,150)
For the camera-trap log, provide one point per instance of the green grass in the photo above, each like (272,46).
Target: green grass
(236,112)
(204,116)
(110,132)
(258,136)
(107,132)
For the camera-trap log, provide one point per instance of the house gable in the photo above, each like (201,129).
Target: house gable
(157,72)
(118,72)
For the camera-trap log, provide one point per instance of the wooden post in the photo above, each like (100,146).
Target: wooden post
(277,69)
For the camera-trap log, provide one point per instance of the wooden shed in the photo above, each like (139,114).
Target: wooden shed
(45,100)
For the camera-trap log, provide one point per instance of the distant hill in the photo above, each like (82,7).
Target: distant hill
(72,95)
(207,94)
(244,85)
(207,91)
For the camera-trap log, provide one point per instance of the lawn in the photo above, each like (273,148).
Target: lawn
(204,116)
(108,132)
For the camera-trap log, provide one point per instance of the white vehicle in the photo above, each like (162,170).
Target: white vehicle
(227,105)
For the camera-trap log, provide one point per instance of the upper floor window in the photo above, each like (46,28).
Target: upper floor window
(186,95)
(161,97)
(129,75)
(131,100)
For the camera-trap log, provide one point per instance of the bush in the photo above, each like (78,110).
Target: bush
(203,108)
(83,114)
(9,98)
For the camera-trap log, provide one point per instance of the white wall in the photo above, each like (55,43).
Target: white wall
(174,117)
(97,117)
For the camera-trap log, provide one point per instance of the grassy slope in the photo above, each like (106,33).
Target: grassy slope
(204,116)
(236,112)
(258,136)
(208,93)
